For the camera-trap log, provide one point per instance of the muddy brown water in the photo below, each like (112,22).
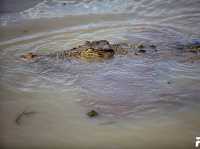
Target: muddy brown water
(145,101)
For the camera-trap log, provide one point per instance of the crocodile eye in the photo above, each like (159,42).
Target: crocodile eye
(89,50)
(100,54)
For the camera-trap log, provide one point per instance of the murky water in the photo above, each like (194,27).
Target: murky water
(149,101)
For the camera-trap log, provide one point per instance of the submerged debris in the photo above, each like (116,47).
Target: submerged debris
(92,113)
(22,115)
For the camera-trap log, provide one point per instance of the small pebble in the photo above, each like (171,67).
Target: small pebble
(92,113)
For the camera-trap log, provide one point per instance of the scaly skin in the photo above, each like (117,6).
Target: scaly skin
(91,51)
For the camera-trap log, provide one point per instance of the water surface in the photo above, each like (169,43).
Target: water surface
(149,101)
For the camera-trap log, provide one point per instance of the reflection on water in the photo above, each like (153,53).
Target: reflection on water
(142,99)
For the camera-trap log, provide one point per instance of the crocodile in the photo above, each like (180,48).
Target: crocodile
(91,50)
